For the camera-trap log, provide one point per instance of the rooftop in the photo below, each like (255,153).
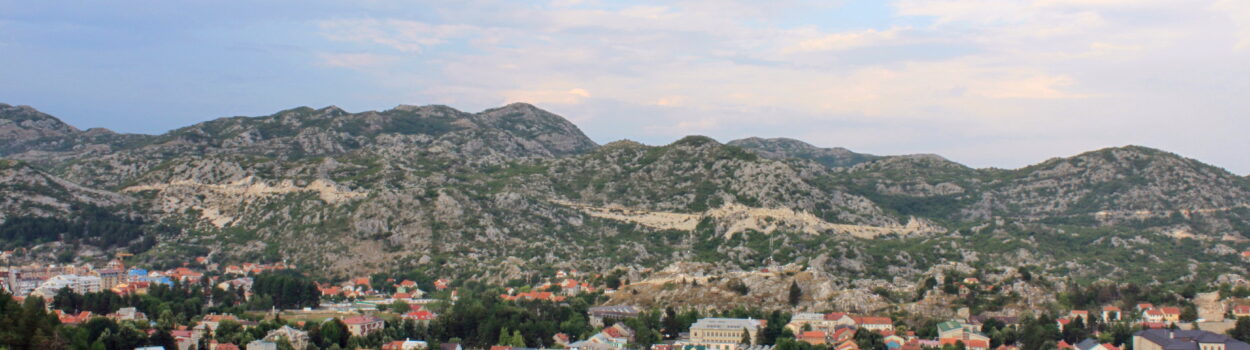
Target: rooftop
(726,323)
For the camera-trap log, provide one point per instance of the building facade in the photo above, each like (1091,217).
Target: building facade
(724,333)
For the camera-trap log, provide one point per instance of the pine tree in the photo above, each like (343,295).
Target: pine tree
(746,337)
(517,340)
(504,339)
(796,294)
(671,324)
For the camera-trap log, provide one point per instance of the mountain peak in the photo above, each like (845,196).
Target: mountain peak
(22,127)
(560,135)
(783,148)
(696,141)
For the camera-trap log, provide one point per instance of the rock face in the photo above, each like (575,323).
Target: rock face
(506,192)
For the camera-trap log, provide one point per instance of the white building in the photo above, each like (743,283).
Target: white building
(724,333)
(79,284)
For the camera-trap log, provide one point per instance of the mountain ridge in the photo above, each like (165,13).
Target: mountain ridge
(512,189)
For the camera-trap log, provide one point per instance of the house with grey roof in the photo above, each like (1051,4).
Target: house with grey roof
(600,314)
(1168,339)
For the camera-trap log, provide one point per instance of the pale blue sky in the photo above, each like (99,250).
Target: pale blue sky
(985,82)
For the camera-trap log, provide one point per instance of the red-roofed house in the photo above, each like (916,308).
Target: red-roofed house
(1171,314)
(814,337)
(364,324)
(847,345)
(1153,316)
(1083,314)
(442,283)
(843,334)
(1110,313)
(331,290)
(1241,311)
(1063,344)
(421,316)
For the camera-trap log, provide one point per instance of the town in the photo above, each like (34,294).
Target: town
(208,306)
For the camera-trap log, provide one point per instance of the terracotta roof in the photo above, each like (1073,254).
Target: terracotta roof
(614,331)
(834,316)
(420,315)
(873,320)
(219,318)
(361,319)
(813,334)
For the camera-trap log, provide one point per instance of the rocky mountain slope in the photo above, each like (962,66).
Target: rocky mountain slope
(513,192)
(31,192)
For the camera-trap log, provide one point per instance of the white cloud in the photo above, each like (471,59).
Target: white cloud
(1238,12)
(988,70)
(547,96)
(356,60)
(402,35)
(843,41)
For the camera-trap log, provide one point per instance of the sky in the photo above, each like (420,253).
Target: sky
(988,83)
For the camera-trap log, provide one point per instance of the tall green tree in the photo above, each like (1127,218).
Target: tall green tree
(796,293)
(1241,330)
(517,340)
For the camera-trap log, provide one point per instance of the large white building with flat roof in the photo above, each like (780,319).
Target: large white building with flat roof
(79,284)
(724,333)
